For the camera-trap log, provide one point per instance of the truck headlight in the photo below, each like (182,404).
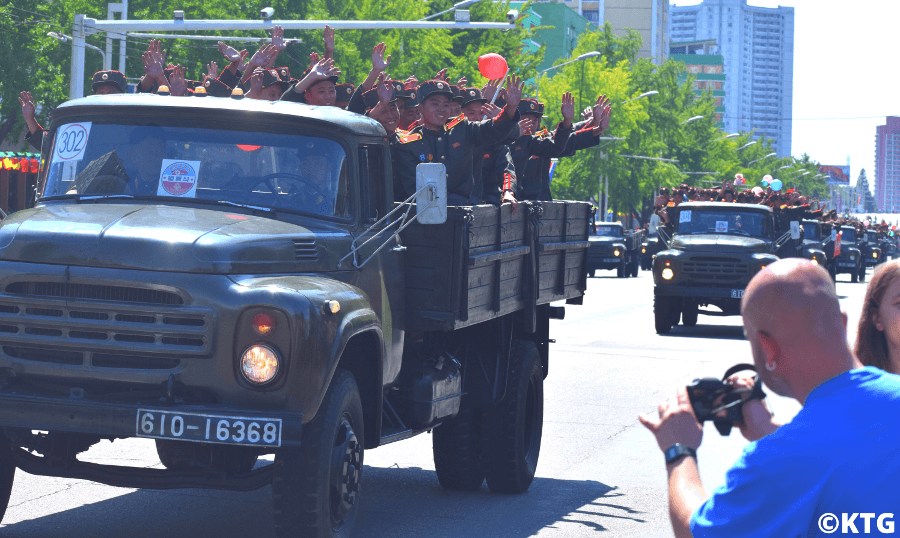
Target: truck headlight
(643,250)
(667,273)
(852,257)
(260,364)
(815,261)
(874,254)
(616,252)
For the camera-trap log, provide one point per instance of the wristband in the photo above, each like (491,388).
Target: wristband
(678,451)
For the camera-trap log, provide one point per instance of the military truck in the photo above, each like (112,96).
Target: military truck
(850,258)
(226,278)
(817,246)
(613,247)
(870,249)
(715,250)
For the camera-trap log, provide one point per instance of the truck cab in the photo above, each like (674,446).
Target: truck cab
(715,250)
(850,259)
(870,248)
(612,247)
(816,246)
(230,278)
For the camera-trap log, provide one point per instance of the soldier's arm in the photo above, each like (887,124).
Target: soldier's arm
(506,170)
(493,131)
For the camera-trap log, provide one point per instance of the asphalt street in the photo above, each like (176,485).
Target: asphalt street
(600,472)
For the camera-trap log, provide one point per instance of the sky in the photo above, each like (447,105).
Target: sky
(846,65)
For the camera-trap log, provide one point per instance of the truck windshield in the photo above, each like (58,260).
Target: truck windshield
(871,237)
(750,223)
(809,231)
(848,235)
(303,174)
(607,231)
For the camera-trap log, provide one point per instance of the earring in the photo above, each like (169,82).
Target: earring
(770,366)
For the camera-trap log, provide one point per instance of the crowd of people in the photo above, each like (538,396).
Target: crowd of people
(490,139)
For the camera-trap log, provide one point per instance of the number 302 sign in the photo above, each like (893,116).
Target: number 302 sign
(71,141)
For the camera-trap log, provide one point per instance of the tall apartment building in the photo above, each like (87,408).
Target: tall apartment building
(560,35)
(758,47)
(649,17)
(708,69)
(887,166)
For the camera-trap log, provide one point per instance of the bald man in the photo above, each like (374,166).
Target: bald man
(835,466)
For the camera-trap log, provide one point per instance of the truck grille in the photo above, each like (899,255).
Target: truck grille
(716,270)
(101,326)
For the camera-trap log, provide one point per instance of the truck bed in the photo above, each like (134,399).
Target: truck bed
(486,262)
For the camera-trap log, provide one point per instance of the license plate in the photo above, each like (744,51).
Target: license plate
(737,294)
(845,264)
(610,260)
(220,429)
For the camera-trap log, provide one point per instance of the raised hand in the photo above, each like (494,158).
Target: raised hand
(385,90)
(28,107)
(328,40)
(243,64)
(411,82)
(256,82)
(461,83)
(212,70)
(153,60)
(441,75)
(567,109)
(602,114)
(379,62)
(177,84)
(526,125)
(313,58)
(514,87)
(489,89)
(230,53)
(323,70)
(490,110)
(587,114)
(261,57)
(278,38)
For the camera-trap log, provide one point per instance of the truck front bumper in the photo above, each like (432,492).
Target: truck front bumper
(699,292)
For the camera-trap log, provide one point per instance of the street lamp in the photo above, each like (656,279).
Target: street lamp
(537,79)
(63,38)
(762,158)
(732,135)
(783,167)
(689,120)
(641,96)
(747,145)
(458,5)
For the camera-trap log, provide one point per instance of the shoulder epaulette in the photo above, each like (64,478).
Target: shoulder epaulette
(454,122)
(410,137)
(401,132)
(542,132)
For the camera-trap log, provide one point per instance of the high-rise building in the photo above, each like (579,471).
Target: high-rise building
(648,17)
(758,47)
(887,166)
(708,69)
(562,26)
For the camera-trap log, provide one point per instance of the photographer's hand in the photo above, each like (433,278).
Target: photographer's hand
(758,419)
(677,423)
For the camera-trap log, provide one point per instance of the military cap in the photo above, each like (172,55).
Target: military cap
(217,88)
(371,98)
(434,87)
(397,86)
(284,74)
(470,95)
(270,77)
(457,94)
(110,78)
(409,97)
(344,92)
(531,107)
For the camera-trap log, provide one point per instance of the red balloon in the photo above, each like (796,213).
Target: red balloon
(492,66)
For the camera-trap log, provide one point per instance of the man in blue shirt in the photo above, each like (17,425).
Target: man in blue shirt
(835,468)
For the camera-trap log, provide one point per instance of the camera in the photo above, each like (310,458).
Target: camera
(266,13)
(512,15)
(710,396)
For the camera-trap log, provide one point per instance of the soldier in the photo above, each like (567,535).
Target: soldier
(381,104)
(343,93)
(451,141)
(528,150)
(316,86)
(494,173)
(409,106)
(267,85)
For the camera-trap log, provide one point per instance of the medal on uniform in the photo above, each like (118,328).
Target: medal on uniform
(422,157)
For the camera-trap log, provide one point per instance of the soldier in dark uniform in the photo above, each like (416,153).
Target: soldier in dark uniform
(102,83)
(451,141)
(409,107)
(494,174)
(530,148)
(316,86)
(343,92)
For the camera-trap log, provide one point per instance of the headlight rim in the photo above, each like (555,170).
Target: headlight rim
(279,361)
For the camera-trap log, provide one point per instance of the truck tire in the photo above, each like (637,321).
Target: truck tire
(515,425)
(661,314)
(854,276)
(832,270)
(689,313)
(635,267)
(620,270)
(315,488)
(7,474)
(456,445)
(862,273)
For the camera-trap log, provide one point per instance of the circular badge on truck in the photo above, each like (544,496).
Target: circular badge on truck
(179,178)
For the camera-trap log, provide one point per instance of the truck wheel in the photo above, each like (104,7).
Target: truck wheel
(689,313)
(456,445)
(620,270)
(661,314)
(854,276)
(316,487)
(832,270)
(513,441)
(635,267)
(862,273)
(7,474)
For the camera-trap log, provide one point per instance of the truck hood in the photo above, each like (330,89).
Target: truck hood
(160,238)
(720,243)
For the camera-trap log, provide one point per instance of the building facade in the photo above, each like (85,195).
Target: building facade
(757,45)
(707,68)
(561,36)
(887,165)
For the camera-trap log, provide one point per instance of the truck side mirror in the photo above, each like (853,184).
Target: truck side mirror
(431,193)
(795,229)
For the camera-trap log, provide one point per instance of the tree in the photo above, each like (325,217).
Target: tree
(864,195)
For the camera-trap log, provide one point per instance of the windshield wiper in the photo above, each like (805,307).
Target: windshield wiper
(235,204)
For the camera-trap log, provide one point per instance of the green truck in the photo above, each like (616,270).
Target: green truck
(229,278)
(715,250)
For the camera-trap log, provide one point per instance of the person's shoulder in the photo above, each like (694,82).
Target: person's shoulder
(406,137)
(454,122)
